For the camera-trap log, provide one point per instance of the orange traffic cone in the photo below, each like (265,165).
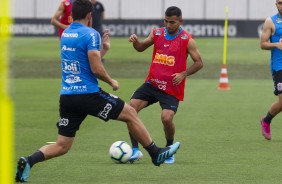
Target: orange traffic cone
(223,81)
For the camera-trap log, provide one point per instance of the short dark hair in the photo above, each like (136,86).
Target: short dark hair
(80,8)
(173,11)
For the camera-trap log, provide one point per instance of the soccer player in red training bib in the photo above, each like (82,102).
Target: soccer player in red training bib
(62,18)
(165,82)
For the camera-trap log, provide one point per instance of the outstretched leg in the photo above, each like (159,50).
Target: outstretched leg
(138,105)
(140,133)
(61,147)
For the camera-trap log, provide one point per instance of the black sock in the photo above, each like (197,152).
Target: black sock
(152,149)
(169,142)
(133,141)
(268,118)
(36,157)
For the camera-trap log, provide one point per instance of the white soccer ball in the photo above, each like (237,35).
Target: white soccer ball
(120,152)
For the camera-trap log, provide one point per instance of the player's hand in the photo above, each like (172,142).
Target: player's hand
(114,84)
(133,38)
(106,40)
(279,46)
(177,78)
(64,26)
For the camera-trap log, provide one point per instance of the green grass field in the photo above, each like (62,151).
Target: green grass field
(219,131)
(40,57)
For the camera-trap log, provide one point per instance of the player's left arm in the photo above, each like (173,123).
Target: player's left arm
(94,58)
(193,51)
(99,70)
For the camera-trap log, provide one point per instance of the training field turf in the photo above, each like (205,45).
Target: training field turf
(219,131)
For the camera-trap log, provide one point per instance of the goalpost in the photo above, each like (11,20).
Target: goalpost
(6,105)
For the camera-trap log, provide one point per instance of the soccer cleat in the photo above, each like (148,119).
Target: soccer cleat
(170,160)
(265,127)
(136,155)
(23,170)
(165,153)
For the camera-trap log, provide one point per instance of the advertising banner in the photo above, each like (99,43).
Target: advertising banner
(123,28)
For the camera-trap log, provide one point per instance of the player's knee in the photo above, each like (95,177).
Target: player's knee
(132,112)
(279,104)
(166,118)
(63,148)
(128,114)
(280,107)
(64,151)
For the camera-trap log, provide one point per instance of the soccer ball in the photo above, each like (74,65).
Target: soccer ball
(120,152)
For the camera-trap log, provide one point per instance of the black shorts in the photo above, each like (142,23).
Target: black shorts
(277,79)
(75,108)
(151,94)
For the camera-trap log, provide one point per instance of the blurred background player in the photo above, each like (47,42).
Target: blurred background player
(62,17)
(165,82)
(98,15)
(271,39)
(80,96)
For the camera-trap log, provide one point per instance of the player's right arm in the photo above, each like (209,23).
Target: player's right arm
(140,46)
(268,29)
(55,19)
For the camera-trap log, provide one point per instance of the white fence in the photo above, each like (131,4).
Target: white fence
(154,9)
